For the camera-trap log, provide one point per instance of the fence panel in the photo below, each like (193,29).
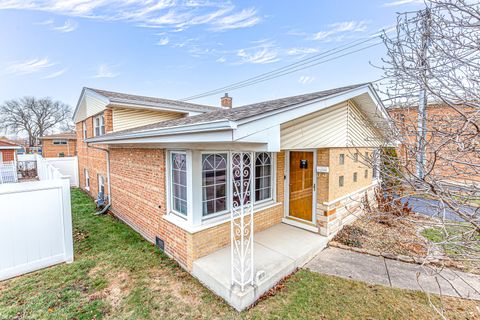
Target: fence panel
(8,172)
(68,166)
(35,226)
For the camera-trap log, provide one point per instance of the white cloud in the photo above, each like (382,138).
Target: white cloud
(105,71)
(29,66)
(163,41)
(301,51)
(306,79)
(336,29)
(244,19)
(68,26)
(172,14)
(264,55)
(402,2)
(221,60)
(55,74)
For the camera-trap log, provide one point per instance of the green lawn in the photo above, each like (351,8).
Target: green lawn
(118,275)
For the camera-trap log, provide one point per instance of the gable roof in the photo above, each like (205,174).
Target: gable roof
(238,113)
(4,144)
(105,98)
(62,135)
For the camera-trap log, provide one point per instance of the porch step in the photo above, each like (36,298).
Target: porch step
(278,251)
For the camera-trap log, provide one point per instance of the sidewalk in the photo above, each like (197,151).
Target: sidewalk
(396,274)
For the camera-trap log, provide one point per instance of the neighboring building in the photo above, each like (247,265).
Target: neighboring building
(452,142)
(59,145)
(173,170)
(8,151)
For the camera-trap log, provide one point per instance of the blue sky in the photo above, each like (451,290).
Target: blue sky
(174,49)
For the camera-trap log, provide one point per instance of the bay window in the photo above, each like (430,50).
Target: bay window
(263,176)
(214,183)
(203,185)
(179,182)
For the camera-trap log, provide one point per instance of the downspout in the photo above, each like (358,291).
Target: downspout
(104,210)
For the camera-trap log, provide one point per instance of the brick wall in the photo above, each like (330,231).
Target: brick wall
(50,150)
(331,217)
(447,134)
(8,155)
(92,159)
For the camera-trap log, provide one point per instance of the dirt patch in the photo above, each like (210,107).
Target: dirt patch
(118,288)
(177,286)
(400,237)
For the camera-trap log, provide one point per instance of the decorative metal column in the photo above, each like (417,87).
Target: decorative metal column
(241,195)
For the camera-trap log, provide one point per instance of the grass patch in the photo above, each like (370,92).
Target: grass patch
(119,275)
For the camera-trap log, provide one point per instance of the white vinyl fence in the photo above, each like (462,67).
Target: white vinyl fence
(68,166)
(8,172)
(35,222)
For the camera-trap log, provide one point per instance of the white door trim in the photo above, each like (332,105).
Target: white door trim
(287,184)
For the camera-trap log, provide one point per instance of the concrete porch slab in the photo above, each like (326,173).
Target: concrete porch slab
(278,251)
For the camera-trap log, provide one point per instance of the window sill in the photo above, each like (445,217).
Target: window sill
(210,223)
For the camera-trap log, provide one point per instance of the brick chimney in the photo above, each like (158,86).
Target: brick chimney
(226,101)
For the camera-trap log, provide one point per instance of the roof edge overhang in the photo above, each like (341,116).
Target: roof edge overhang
(219,125)
(10,147)
(262,128)
(134,104)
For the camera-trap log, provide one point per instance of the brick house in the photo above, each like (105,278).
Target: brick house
(193,178)
(59,145)
(8,151)
(452,142)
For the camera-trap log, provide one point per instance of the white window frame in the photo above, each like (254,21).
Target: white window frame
(170,182)
(101,184)
(227,194)
(100,126)
(87,179)
(60,142)
(272,179)
(84,130)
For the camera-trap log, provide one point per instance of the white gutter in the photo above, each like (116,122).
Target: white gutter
(174,130)
(10,147)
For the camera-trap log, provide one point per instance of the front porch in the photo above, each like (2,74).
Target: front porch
(278,251)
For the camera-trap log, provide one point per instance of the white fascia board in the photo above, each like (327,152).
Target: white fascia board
(251,126)
(210,136)
(270,136)
(86,91)
(10,147)
(177,132)
(154,106)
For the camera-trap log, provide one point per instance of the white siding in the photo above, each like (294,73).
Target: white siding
(124,118)
(342,125)
(89,106)
(361,131)
(324,128)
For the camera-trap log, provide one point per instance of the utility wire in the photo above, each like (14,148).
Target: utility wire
(297,66)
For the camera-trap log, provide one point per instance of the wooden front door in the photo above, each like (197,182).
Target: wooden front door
(301,185)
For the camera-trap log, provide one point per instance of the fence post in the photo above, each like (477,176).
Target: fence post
(67,219)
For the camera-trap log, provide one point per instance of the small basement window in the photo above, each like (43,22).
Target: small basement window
(60,142)
(341,181)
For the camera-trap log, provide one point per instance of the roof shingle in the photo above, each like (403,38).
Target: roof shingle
(238,113)
(131,98)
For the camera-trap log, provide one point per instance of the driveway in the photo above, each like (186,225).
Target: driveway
(435,208)
(396,274)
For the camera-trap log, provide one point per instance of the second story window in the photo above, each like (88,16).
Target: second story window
(99,125)
(84,129)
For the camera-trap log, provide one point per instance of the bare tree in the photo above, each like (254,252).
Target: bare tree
(34,117)
(432,89)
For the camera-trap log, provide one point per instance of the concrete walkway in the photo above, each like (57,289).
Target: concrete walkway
(392,273)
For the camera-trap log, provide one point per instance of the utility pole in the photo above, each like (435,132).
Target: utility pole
(422,97)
